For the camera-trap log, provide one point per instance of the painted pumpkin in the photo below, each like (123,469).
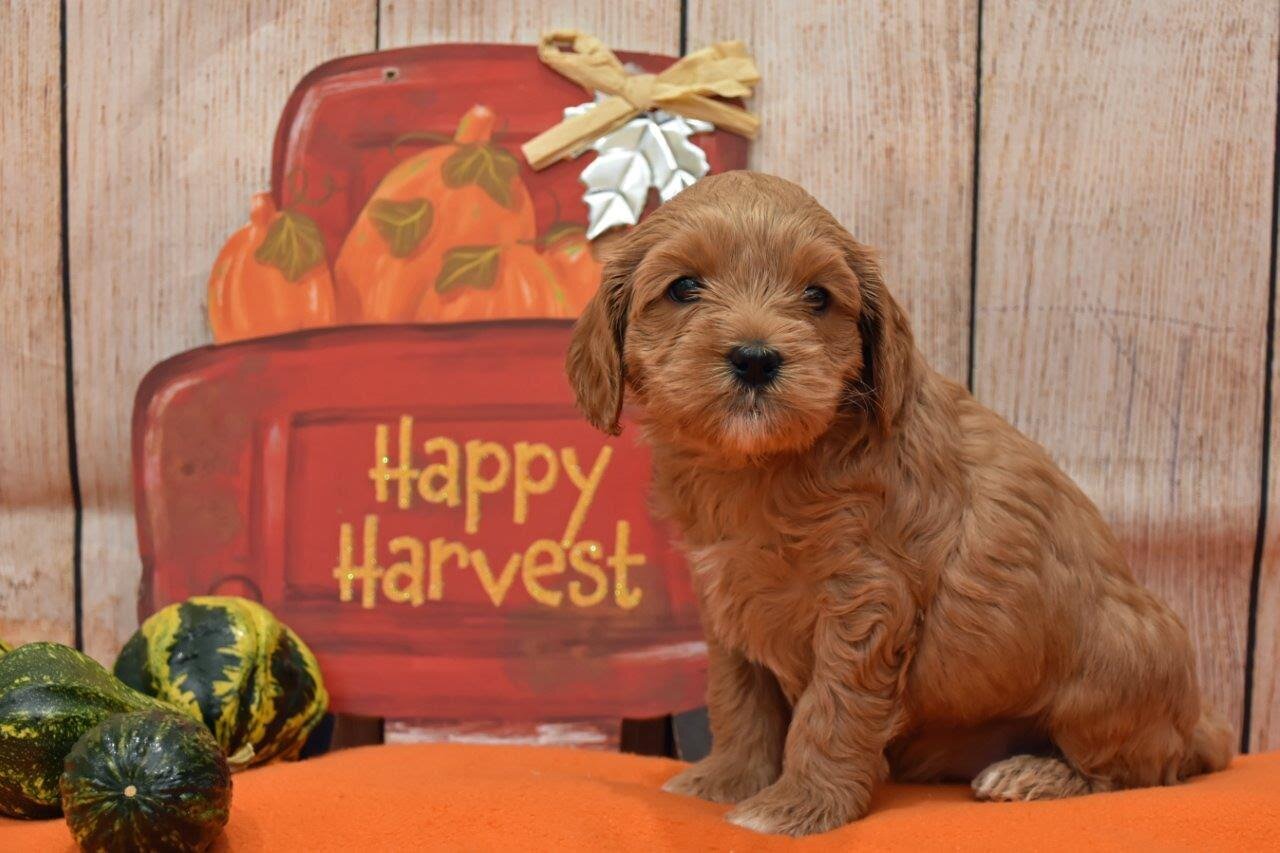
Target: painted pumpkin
(229,662)
(270,277)
(570,254)
(494,283)
(450,197)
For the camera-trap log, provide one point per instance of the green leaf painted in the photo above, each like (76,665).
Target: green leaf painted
(293,245)
(402,224)
(468,266)
(563,231)
(491,168)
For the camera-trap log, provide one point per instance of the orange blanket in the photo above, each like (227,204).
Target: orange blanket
(454,797)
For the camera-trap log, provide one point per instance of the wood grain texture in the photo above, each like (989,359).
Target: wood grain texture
(37,522)
(171,111)
(1123,240)
(639,25)
(870,106)
(602,734)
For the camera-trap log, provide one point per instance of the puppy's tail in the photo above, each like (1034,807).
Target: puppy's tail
(1211,746)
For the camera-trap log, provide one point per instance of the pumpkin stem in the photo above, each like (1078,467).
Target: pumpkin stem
(262,210)
(476,125)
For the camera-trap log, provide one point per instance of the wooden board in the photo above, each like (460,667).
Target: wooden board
(639,25)
(869,105)
(1123,239)
(171,109)
(601,735)
(37,517)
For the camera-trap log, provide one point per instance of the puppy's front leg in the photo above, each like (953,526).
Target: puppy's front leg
(846,715)
(748,727)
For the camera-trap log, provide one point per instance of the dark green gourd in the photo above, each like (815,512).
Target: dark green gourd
(146,781)
(50,695)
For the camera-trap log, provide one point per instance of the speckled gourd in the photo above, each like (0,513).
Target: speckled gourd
(50,695)
(146,781)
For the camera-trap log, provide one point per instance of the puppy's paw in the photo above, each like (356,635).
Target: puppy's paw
(722,780)
(786,808)
(1030,777)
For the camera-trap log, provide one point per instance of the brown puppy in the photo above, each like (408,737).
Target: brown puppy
(891,576)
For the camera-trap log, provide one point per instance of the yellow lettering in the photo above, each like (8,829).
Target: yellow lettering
(587,486)
(410,570)
(345,572)
(442,550)
(626,598)
(367,573)
(449,491)
(382,473)
(535,569)
(495,587)
(526,485)
(477,452)
(580,558)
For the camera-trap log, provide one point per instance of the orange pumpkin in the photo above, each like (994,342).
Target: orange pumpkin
(571,256)
(270,277)
(494,283)
(468,193)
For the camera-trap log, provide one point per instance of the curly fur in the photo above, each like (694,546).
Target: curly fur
(892,578)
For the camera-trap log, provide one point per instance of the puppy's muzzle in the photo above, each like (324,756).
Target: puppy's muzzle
(754,364)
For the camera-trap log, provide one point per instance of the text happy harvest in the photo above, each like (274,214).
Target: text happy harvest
(470,477)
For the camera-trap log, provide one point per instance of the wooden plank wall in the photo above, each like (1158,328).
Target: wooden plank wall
(1124,216)
(37,513)
(1073,199)
(171,109)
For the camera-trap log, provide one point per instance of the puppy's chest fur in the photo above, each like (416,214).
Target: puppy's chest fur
(760,587)
(754,602)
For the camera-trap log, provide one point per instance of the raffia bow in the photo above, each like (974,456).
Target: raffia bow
(724,69)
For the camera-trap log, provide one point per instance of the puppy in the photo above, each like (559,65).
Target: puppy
(891,578)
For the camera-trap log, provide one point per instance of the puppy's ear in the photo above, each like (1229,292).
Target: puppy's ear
(888,349)
(594,363)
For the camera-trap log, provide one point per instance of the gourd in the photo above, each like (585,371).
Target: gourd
(230,663)
(147,780)
(271,276)
(569,252)
(50,695)
(465,196)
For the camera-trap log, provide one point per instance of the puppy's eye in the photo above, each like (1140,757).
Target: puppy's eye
(817,298)
(684,290)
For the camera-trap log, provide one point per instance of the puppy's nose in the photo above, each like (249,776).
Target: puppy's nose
(754,364)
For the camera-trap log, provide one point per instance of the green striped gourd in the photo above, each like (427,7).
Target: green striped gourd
(146,781)
(50,695)
(229,662)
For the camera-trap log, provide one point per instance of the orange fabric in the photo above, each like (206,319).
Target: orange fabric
(455,797)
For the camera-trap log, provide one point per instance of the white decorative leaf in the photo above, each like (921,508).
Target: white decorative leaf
(651,151)
(617,183)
